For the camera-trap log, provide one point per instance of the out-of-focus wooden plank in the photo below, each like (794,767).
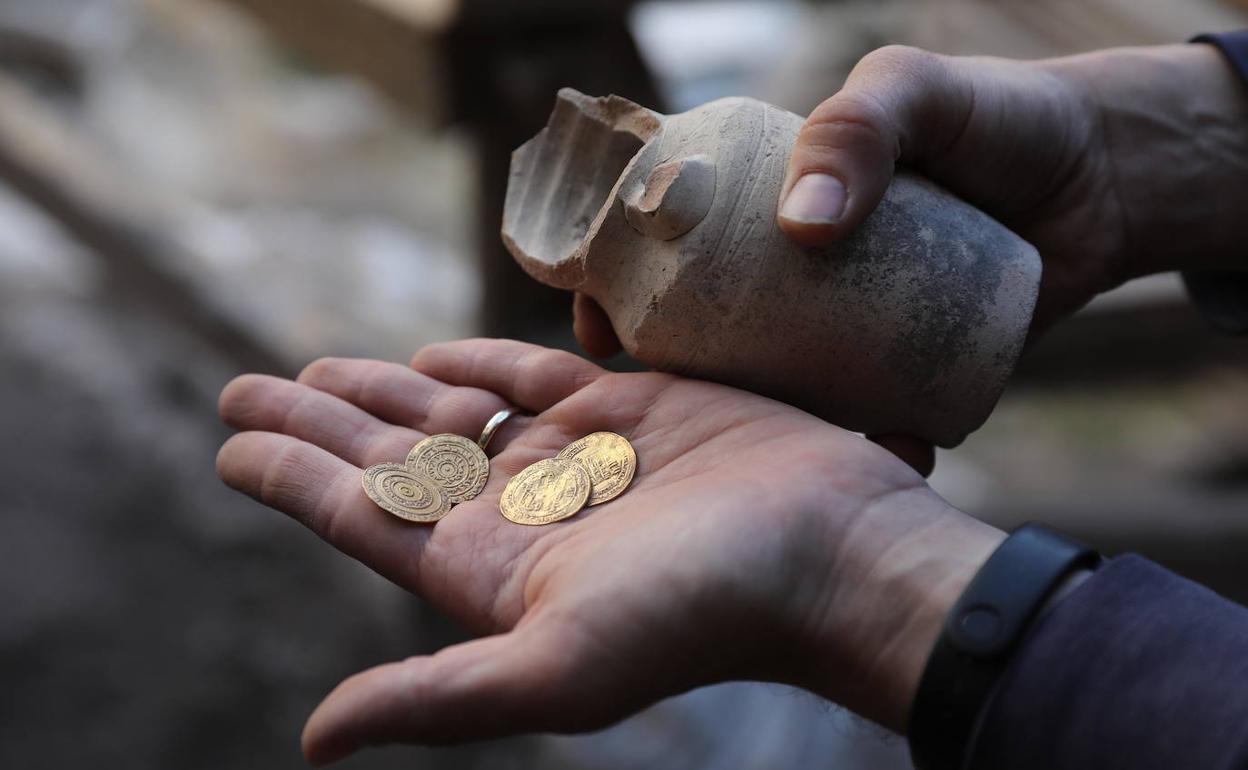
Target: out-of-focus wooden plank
(42,56)
(1084,25)
(1153,342)
(1032,28)
(59,170)
(394,44)
(492,65)
(410,48)
(432,15)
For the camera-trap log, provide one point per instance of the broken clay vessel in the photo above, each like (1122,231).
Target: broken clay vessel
(911,326)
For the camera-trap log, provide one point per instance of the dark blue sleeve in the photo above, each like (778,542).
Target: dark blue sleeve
(1137,668)
(1234,46)
(1221,296)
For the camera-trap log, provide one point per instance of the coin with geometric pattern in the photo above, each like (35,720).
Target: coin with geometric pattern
(408,495)
(454,463)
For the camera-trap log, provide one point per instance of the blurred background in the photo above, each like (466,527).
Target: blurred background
(190,189)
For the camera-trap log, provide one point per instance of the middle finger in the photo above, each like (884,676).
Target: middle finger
(255,402)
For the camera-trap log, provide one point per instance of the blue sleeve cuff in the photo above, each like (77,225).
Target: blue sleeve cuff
(1137,668)
(1234,46)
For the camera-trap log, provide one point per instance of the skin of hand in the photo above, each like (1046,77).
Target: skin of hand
(1113,164)
(756,542)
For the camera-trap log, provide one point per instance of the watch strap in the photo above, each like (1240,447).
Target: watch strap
(983,628)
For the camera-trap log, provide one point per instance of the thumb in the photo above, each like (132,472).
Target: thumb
(898,104)
(526,680)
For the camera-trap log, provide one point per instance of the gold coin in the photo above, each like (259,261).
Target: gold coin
(406,494)
(454,463)
(609,460)
(545,492)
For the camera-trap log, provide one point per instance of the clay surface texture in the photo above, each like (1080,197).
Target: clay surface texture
(911,326)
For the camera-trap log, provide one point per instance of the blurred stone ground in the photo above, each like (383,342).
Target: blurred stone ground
(299,201)
(154,619)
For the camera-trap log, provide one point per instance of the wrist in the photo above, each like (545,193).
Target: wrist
(1173,120)
(898,570)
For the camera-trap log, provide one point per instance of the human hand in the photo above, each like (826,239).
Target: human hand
(1113,164)
(756,542)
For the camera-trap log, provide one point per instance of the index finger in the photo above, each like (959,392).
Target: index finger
(322,492)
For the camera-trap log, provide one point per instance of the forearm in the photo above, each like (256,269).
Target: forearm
(1128,666)
(1175,123)
(897,573)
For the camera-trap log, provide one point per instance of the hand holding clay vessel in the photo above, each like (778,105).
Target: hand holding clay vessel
(911,326)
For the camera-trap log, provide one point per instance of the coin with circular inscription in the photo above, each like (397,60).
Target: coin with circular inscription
(455,463)
(545,492)
(407,495)
(609,460)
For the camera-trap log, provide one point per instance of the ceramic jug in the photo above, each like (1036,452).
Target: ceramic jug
(910,326)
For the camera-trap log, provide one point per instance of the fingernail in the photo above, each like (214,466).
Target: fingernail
(817,199)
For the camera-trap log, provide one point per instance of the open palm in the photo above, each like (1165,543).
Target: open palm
(717,563)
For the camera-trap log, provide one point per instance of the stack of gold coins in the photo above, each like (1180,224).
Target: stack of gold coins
(589,471)
(440,472)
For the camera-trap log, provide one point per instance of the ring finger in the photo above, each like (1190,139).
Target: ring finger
(401,396)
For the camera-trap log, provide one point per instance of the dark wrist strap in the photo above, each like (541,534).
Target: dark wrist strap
(980,633)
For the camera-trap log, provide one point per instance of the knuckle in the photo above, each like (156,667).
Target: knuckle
(284,483)
(539,358)
(423,354)
(848,120)
(879,101)
(326,515)
(851,110)
(436,352)
(897,60)
(419,684)
(565,365)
